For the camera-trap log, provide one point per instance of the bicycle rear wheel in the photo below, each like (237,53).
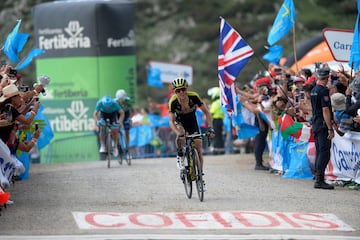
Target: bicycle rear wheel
(186,178)
(108,148)
(128,157)
(121,153)
(198,174)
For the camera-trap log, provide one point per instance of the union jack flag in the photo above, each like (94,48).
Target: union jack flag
(234,53)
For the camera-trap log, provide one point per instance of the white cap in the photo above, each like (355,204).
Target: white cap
(121,95)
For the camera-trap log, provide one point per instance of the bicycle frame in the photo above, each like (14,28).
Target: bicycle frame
(123,149)
(193,172)
(108,141)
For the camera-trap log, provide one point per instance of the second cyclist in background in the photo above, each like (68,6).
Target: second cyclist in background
(125,102)
(108,108)
(182,118)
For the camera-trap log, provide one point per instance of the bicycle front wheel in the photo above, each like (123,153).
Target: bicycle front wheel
(186,178)
(108,148)
(198,175)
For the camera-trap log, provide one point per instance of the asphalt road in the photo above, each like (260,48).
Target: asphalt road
(53,199)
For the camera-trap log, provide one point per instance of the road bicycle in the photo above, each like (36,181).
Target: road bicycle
(108,142)
(123,151)
(193,170)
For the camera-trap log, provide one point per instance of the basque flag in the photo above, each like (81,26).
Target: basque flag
(234,53)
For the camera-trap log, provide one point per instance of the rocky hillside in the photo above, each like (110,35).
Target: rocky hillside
(187,31)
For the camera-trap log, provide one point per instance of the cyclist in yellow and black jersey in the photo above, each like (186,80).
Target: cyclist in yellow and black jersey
(182,117)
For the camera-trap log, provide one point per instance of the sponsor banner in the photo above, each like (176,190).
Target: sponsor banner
(210,220)
(345,157)
(84,28)
(90,52)
(339,42)
(170,71)
(70,115)
(70,147)
(88,77)
(73,125)
(344,161)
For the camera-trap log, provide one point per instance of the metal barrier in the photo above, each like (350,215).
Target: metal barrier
(84,147)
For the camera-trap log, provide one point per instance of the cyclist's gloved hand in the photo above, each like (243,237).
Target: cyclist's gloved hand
(101,122)
(211,132)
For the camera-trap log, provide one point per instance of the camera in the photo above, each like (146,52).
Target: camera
(278,71)
(24,88)
(317,65)
(302,95)
(13,71)
(334,78)
(288,76)
(8,111)
(296,98)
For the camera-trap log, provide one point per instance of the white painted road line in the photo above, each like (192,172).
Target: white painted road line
(180,237)
(222,220)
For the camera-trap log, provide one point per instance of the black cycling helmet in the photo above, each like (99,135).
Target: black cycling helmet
(179,83)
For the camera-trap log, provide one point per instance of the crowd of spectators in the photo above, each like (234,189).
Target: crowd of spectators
(18,106)
(278,91)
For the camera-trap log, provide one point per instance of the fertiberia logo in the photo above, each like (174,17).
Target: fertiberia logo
(67,38)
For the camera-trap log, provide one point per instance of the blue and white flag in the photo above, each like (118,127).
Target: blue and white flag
(154,78)
(244,130)
(33,53)
(14,43)
(354,61)
(274,55)
(283,23)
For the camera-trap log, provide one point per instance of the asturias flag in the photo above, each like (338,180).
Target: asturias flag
(283,23)
(233,55)
(154,78)
(15,43)
(33,53)
(274,55)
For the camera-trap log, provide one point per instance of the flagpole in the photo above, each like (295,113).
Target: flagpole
(20,62)
(294,49)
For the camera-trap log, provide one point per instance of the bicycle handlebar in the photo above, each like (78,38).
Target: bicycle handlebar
(197,135)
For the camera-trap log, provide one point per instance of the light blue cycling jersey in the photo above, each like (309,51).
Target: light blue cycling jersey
(115,107)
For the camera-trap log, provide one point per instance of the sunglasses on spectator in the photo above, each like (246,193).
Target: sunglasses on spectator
(180,90)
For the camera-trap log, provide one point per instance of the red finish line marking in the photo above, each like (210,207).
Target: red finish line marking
(210,220)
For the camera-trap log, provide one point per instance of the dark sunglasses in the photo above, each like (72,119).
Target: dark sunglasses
(180,90)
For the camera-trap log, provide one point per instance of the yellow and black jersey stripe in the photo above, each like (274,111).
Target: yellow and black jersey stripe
(189,116)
